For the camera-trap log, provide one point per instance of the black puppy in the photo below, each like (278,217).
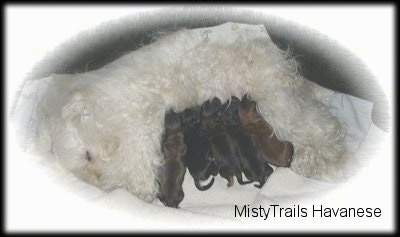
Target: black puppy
(252,163)
(172,172)
(223,147)
(198,158)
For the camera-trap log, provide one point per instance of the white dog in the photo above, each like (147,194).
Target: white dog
(105,125)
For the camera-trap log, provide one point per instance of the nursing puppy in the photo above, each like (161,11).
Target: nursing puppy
(172,172)
(274,151)
(252,163)
(198,158)
(223,147)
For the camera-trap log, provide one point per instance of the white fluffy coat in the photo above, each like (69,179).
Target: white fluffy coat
(116,112)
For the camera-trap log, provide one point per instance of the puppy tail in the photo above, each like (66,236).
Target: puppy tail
(203,188)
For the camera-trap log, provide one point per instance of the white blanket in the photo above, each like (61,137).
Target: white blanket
(54,200)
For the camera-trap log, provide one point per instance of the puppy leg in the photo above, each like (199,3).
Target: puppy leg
(260,183)
(267,171)
(239,177)
(224,172)
(230,181)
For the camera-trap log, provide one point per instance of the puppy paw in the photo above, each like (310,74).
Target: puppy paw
(230,182)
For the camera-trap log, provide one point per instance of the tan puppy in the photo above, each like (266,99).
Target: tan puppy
(274,151)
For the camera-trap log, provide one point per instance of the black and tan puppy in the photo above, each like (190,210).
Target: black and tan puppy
(252,163)
(223,148)
(172,172)
(274,151)
(198,157)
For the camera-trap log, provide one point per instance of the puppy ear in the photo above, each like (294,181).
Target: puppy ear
(184,149)
(173,112)
(161,172)
(204,107)
(109,146)
(254,107)
(226,105)
(216,101)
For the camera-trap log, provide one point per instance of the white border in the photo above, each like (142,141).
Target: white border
(34,30)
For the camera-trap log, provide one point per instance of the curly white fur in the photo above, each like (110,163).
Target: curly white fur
(116,113)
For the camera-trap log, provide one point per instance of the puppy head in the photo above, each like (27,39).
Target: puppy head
(283,154)
(247,110)
(278,153)
(87,159)
(230,114)
(78,141)
(172,121)
(190,115)
(171,176)
(211,109)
